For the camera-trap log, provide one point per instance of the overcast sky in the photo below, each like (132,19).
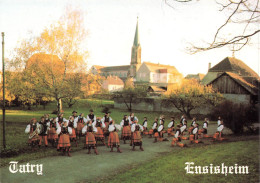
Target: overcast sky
(164,31)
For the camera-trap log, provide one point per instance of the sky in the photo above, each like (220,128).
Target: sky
(164,31)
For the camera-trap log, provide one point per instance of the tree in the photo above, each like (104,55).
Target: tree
(130,95)
(245,13)
(190,95)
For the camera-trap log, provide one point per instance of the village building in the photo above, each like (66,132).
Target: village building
(198,77)
(113,84)
(235,80)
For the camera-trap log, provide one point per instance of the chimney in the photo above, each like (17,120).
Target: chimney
(209,66)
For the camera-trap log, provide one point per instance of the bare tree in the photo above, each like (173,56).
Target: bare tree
(245,13)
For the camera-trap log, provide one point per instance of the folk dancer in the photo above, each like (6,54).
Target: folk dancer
(192,125)
(194,134)
(137,138)
(32,129)
(183,129)
(73,125)
(177,138)
(126,132)
(99,135)
(89,130)
(64,139)
(170,127)
(60,119)
(43,133)
(204,129)
(161,128)
(219,120)
(218,134)
(145,124)
(132,118)
(155,131)
(80,124)
(113,139)
(106,120)
(183,118)
(52,135)
(91,116)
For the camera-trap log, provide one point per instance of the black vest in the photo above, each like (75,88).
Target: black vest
(64,130)
(91,116)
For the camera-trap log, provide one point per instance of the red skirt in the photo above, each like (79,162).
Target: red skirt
(156,135)
(137,137)
(191,137)
(79,128)
(90,138)
(64,141)
(169,130)
(150,132)
(73,135)
(126,131)
(99,134)
(52,135)
(113,139)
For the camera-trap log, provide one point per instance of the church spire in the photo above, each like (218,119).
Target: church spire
(136,39)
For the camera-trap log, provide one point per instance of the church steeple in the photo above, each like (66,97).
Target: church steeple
(136,53)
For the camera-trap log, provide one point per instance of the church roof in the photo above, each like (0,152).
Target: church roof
(136,39)
(115,68)
(160,68)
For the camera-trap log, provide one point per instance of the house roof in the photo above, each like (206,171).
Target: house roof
(114,80)
(157,89)
(153,67)
(242,82)
(198,76)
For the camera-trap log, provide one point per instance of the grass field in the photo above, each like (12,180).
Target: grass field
(170,167)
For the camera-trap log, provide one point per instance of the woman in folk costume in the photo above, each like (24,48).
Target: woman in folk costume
(204,129)
(113,139)
(161,128)
(91,116)
(219,120)
(99,135)
(32,129)
(52,135)
(192,125)
(218,134)
(60,119)
(145,124)
(155,131)
(177,138)
(80,124)
(126,132)
(132,118)
(43,133)
(89,130)
(194,134)
(137,138)
(73,125)
(171,127)
(183,119)
(183,129)
(106,120)
(64,140)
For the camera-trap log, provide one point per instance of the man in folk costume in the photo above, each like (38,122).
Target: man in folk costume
(52,135)
(194,134)
(43,133)
(177,138)
(60,119)
(161,128)
(80,124)
(132,118)
(99,135)
(64,139)
(204,129)
(106,120)
(183,129)
(192,125)
(155,131)
(183,119)
(152,130)
(171,127)
(126,132)
(145,124)
(89,130)
(91,116)
(113,139)
(73,125)
(218,134)
(32,129)
(137,138)
(219,120)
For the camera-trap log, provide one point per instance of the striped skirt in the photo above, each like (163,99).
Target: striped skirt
(113,139)
(64,141)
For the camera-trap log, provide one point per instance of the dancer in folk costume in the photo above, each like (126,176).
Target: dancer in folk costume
(89,130)
(32,129)
(137,138)
(204,129)
(192,125)
(145,124)
(183,129)
(80,124)
(155,131)
(91,116)
(171,127)
(64,139)
(99,135)
(61,119)
(43,133)
(106,120)
(52,135)
(113,139)
(219,120)
(177,138)
(161,128)
(218,134)
(73,125)
(126,132)
(132,118)
(183,119)
(194,134)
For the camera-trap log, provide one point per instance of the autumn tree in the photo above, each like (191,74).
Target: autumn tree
(190,95)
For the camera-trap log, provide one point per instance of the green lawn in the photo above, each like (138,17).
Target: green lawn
(170,167)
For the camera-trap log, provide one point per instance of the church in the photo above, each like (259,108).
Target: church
(152,74)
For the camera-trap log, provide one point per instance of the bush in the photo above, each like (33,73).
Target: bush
(236,117)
